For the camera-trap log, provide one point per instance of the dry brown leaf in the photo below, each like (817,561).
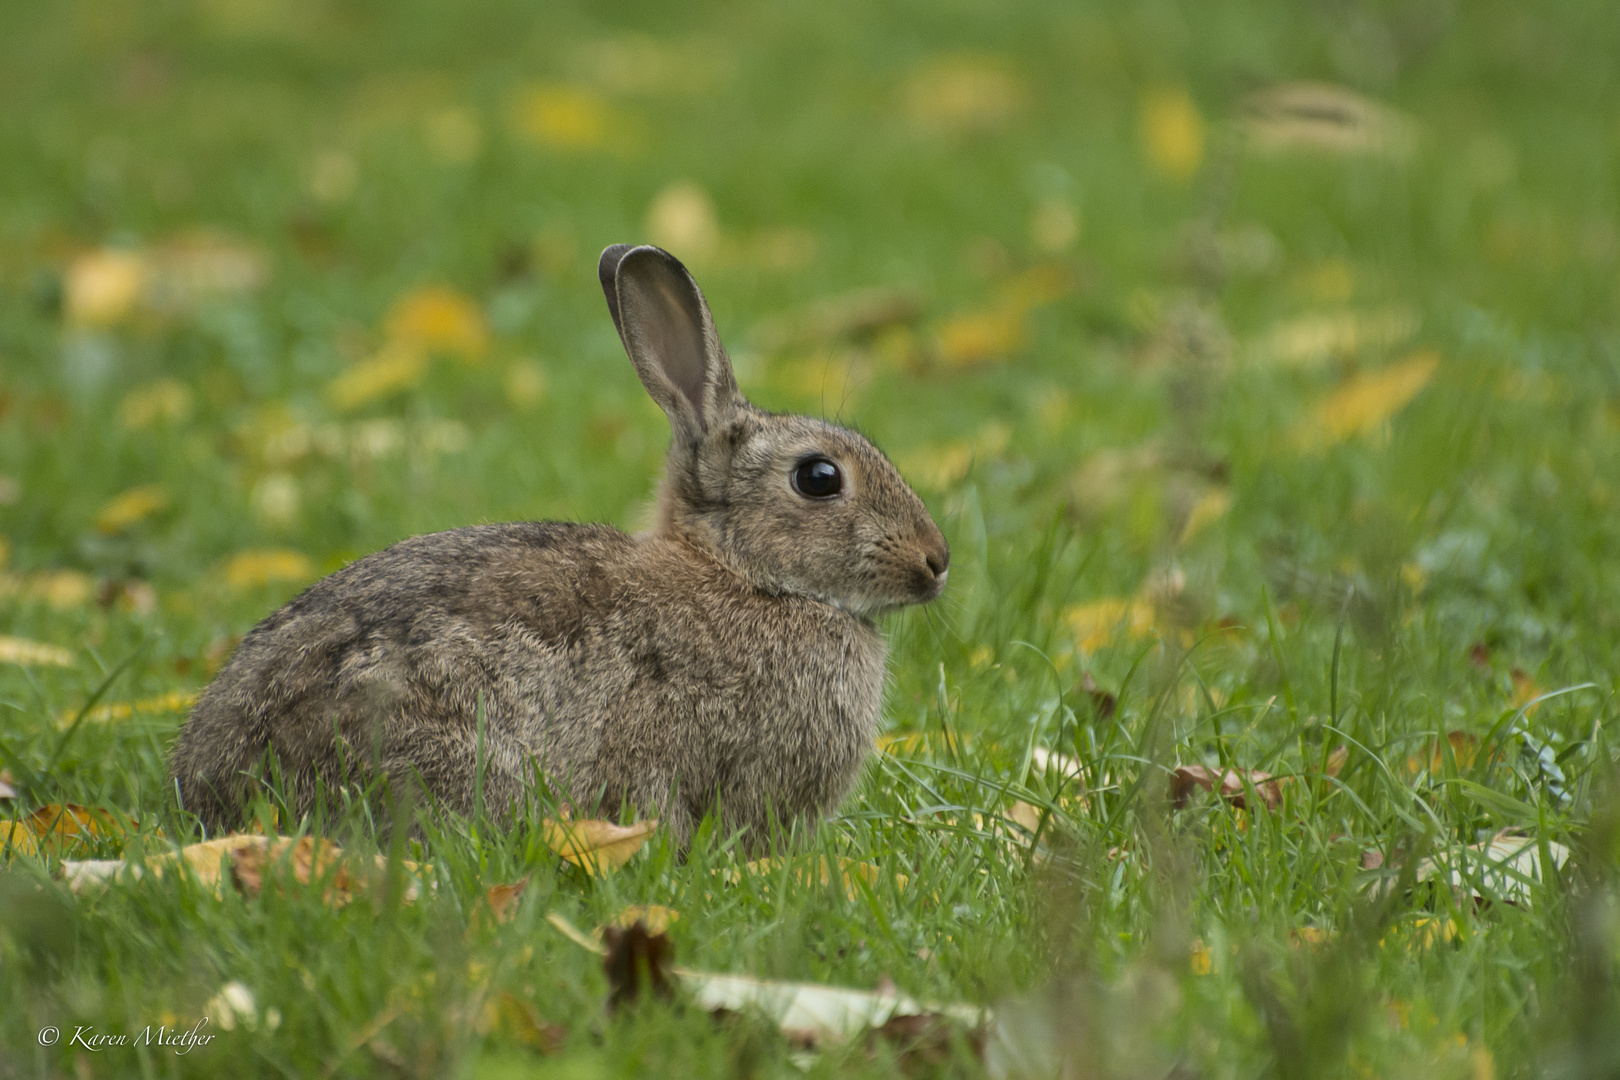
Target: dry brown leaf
(635,957)
(1525,691)
(854,315)
(1229,783)
(809,1014)
(596,846)
(1324,117)
(501,902)
(1464,748)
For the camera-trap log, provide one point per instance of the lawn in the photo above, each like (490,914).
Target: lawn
(1260,360)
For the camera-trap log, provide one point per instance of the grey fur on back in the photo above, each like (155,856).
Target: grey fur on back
(729,658)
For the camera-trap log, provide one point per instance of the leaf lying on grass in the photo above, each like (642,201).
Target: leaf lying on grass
(1503,868)
(811,1015)
(1234,785)
(596,846)
(115,711)
(25,653)
(55,826)
(852,874)
(249,860)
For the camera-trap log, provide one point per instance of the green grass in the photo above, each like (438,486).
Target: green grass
(1373,591)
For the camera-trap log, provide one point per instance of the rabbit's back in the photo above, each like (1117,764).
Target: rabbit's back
(619,669)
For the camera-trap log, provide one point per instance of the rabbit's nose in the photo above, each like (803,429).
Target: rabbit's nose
(939,561)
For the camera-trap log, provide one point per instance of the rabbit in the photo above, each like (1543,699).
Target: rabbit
(729,660)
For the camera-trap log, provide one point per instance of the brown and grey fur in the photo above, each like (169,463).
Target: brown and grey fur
(728,658)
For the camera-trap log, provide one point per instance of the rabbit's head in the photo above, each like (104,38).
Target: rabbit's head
(791,504)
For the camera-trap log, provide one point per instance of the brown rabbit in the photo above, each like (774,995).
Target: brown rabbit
(727,659)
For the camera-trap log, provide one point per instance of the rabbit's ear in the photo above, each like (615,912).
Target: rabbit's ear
(668,332)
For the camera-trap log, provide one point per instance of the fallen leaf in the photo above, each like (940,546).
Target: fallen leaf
(102,287)
(438,319)
(1105,703)
(851,873)
(27,653)
(1500,869)
(1365,402)
(57,826)
(849,316)
(247,860)
(166,401)
(923,1042)
(1308,340)
(1464,748)
(655,917)
(249,569)
(1525,691)
(635,958)
(1103,622)
(1480,656)
(562,117)
(521,1022)
(501,903)
(963,93)
(1172,132)
(1210,508)
(810,1014)
(397,368)
(1232,785)
(114,712)
(596,846)
(1324,117)
(682,218)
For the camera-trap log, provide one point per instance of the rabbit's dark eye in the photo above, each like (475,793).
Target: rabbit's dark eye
(818,478)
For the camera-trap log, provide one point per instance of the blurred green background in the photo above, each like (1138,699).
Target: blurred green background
(1288,330)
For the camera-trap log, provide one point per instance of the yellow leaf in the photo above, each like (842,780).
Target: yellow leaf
(1312,338)
(1525,691)
(655,917)
(102,287)
(963,93)
(977,337)
(850,872)
(682,219)
(1102,622)
(113,712)
(1202,961)
(596,846)
(1172,132)
(436,319)
(565,118)
(16,838)
(1210,508)
(165,400)
(1323,117)
(396,368)
(248,569)
(130,508)
(525,383)
(27,653)
(1364,402)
